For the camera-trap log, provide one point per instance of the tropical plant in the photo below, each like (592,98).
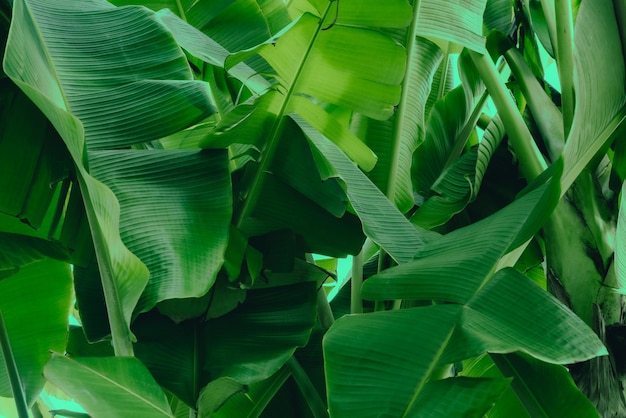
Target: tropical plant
(170,171)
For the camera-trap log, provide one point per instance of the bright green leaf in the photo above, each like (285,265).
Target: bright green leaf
(110,386)
(35,304)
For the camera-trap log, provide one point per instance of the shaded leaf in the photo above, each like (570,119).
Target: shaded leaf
(463,397)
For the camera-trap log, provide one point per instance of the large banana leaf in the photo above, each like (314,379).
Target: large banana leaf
(460,22)
(179,203)
(484,313)
(537,388)
(382,363)
(35,304)
(382,222)
(109,387)
(328,60)
(245,346)
(600,100)
(32,159)
(472,251)
(392,173)
(134,86)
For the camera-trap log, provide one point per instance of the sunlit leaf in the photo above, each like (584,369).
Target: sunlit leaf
(109,387)
(35,304)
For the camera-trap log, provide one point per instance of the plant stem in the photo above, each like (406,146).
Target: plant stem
(401,120)
(120,333)
(356,301)
(324,313)
(545,113)
(565,60)
(313,399)
(532,162)
(443,77)
(14,377)
(532,407)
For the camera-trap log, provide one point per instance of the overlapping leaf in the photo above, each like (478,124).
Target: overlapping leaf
(483,314)
(537,387)
(382,222)
(418,340)
(35,304)
(394,140)
(599,85)
(179,204)
(459,22)
(471,252)
(460,183)
(246,345)
(109,387)
(104,89)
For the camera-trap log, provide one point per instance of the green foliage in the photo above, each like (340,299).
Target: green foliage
(174,165)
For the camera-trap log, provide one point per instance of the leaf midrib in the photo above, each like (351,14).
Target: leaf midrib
(118,385)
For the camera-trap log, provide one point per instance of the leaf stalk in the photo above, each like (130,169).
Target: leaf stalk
(14,377)
(532,162)
(565,60)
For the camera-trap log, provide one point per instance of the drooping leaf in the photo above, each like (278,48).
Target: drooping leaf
(252,342)
(33,163)
(472,252)
(280,206)
(599,85)
(295,165)
(118,100)
(179,203)
(405,128)
(382,222)
(459,23)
